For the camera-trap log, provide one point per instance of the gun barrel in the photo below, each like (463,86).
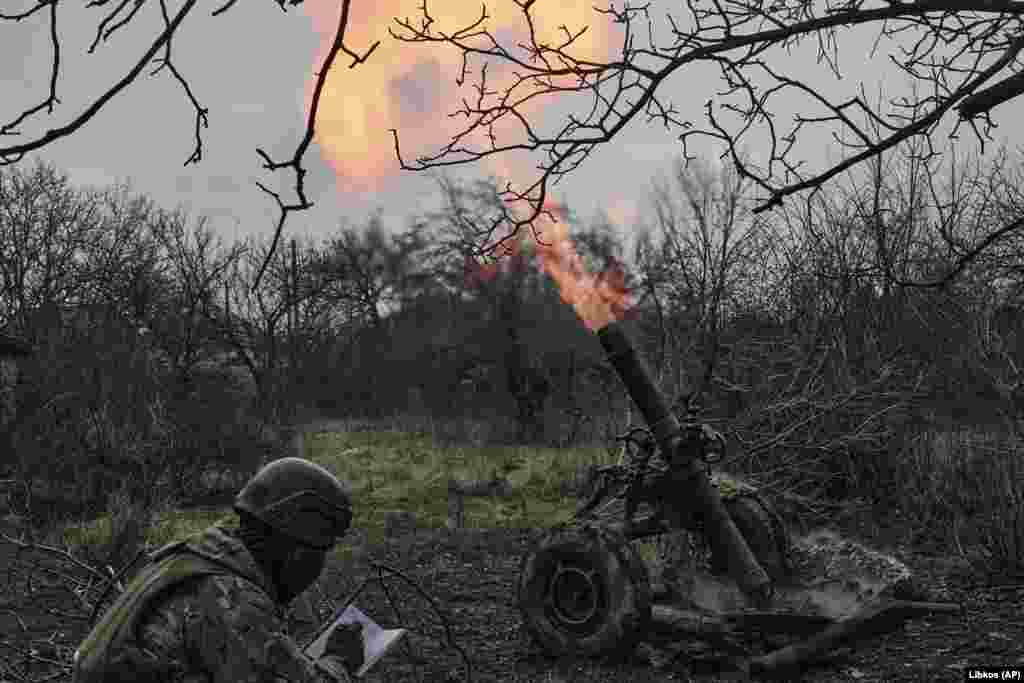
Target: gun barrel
(698,490)
(642,389)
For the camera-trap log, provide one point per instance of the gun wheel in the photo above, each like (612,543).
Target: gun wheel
(764,532)
(583,591)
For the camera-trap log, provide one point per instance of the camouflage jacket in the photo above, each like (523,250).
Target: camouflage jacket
(202,611)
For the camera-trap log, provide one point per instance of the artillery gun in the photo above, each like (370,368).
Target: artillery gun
(583,589)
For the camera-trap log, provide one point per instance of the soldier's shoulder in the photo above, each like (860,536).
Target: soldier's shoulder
(169,617)
(182,598)
(237,600)
(231,587)
(223,592)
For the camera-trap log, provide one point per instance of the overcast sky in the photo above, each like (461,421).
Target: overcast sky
(252,66)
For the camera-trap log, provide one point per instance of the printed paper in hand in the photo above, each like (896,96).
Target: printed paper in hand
(376,640)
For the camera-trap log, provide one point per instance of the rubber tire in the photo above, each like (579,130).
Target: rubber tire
(626,609)
(764,533)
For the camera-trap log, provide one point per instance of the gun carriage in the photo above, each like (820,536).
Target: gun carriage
(584,590)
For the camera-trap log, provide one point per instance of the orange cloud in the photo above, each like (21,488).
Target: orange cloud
(412,87)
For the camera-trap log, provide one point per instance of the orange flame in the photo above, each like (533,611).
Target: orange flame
(598,299)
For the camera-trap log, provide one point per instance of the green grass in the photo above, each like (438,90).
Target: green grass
(953,491)
(390,470)
(393,470)
(170,525)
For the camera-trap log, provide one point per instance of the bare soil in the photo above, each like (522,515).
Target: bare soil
(474,573)
(471,576)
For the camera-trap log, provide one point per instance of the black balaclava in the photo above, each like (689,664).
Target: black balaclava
(290,565)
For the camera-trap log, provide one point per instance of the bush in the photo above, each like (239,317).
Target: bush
(113,539)
(959,491)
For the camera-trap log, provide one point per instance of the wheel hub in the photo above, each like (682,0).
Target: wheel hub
(575,595)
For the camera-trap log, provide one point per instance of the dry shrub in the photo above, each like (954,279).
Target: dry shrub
(962,490)
(113,540)
(998,523)
(50,590)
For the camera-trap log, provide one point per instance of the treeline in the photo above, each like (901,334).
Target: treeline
(824,338)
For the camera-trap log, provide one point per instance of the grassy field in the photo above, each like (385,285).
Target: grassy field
(394,470)
(958,493)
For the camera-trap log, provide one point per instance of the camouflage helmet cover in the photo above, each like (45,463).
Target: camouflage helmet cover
(300,499)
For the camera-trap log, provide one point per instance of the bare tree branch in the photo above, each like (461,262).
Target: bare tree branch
(103,31)
(295,163)
(48,103)
(991,97)
(122,14)
(202,121)
(14,153)
(952,47)
(223,8)
(27,13)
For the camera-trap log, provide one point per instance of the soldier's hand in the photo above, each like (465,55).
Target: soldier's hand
(346,643)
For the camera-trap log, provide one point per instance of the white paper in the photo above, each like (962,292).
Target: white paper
(376,640)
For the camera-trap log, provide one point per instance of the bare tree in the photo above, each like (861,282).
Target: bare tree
(158,52)
(848,355)
(73,261)
(254,318)
(195,266)
(508,317)
(369,272)
(492,302)
(367,281)
(746,319)
(276,324)
(910,221)
(962,56)
(46,227)
(711,247)
(951,52)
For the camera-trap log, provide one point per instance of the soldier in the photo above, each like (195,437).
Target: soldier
(210,608)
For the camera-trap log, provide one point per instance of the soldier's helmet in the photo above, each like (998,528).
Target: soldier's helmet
(299,499)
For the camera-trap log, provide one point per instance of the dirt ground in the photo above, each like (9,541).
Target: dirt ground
(474,574)
(471,575)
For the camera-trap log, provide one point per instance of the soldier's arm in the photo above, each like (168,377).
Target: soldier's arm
(240,638)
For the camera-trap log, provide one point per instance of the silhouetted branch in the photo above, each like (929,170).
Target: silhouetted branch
(121,14)
(983,101)
(223,8)
(951,47)
(202,121)
(103,31)
(27,13)
(48,103)
(295,163)
(14,153)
